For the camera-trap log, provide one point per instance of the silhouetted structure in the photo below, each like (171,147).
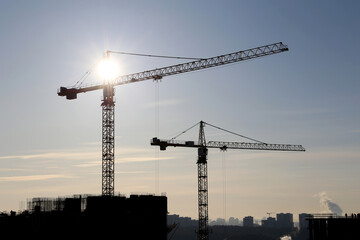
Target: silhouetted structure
(270,222)
(136,217)
(333,227)
(108,100)
(248,221)
(234,221)
(303,222)
(284,220)
(181,221)
(202,146)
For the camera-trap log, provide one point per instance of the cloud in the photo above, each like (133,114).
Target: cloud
(88,164)
(96,143)
(142,159)
(73,154)
(131,172)
(54,155)
(302,112)
(31,178)
(13,169)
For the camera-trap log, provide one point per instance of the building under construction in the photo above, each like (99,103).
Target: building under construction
(118,217)
(332,227)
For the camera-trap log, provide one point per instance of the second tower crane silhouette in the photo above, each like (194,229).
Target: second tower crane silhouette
(202,146)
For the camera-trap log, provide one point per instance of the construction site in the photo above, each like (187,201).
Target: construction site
(84,216)
(206,120)
(144,216)
(108,118)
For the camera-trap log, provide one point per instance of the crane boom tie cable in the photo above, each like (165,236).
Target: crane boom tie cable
(184,131)
(155,56)
(84,76)
(87,73)
(252,139)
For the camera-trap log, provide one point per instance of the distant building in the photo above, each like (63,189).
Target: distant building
(284,220)
(218,222)
(303,223)
(248,221)
(270,222)
(234,221)
(181,221)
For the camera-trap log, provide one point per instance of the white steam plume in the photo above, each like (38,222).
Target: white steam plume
(326,202)
(285,238)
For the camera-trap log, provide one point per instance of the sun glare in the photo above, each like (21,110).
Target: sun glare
(108,69)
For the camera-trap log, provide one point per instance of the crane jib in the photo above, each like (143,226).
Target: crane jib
(164,143)
(155,74)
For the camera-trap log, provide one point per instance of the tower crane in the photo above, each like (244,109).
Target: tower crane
(202,146)
(108,102)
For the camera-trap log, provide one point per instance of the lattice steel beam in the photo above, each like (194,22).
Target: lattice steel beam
(203,207)
(71,93)
(108,141)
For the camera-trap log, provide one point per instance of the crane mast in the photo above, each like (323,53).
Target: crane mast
(108,103)
(108,140)
(203,209)
(202,146)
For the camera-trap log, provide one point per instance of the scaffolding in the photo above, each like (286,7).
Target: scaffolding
(59,204)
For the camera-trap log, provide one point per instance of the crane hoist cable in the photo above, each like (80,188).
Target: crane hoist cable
(157,129)
(223,165)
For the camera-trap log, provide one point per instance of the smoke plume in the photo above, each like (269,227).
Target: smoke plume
(326,202)
(285,238)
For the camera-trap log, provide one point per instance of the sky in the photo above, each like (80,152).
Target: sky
(310,95)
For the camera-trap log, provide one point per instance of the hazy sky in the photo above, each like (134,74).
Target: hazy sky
(310,95)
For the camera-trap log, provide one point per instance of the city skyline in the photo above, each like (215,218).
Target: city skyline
(310,95)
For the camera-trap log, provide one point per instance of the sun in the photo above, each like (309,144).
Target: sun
(108,70)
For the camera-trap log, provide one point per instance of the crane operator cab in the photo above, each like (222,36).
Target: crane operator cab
(202,155)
